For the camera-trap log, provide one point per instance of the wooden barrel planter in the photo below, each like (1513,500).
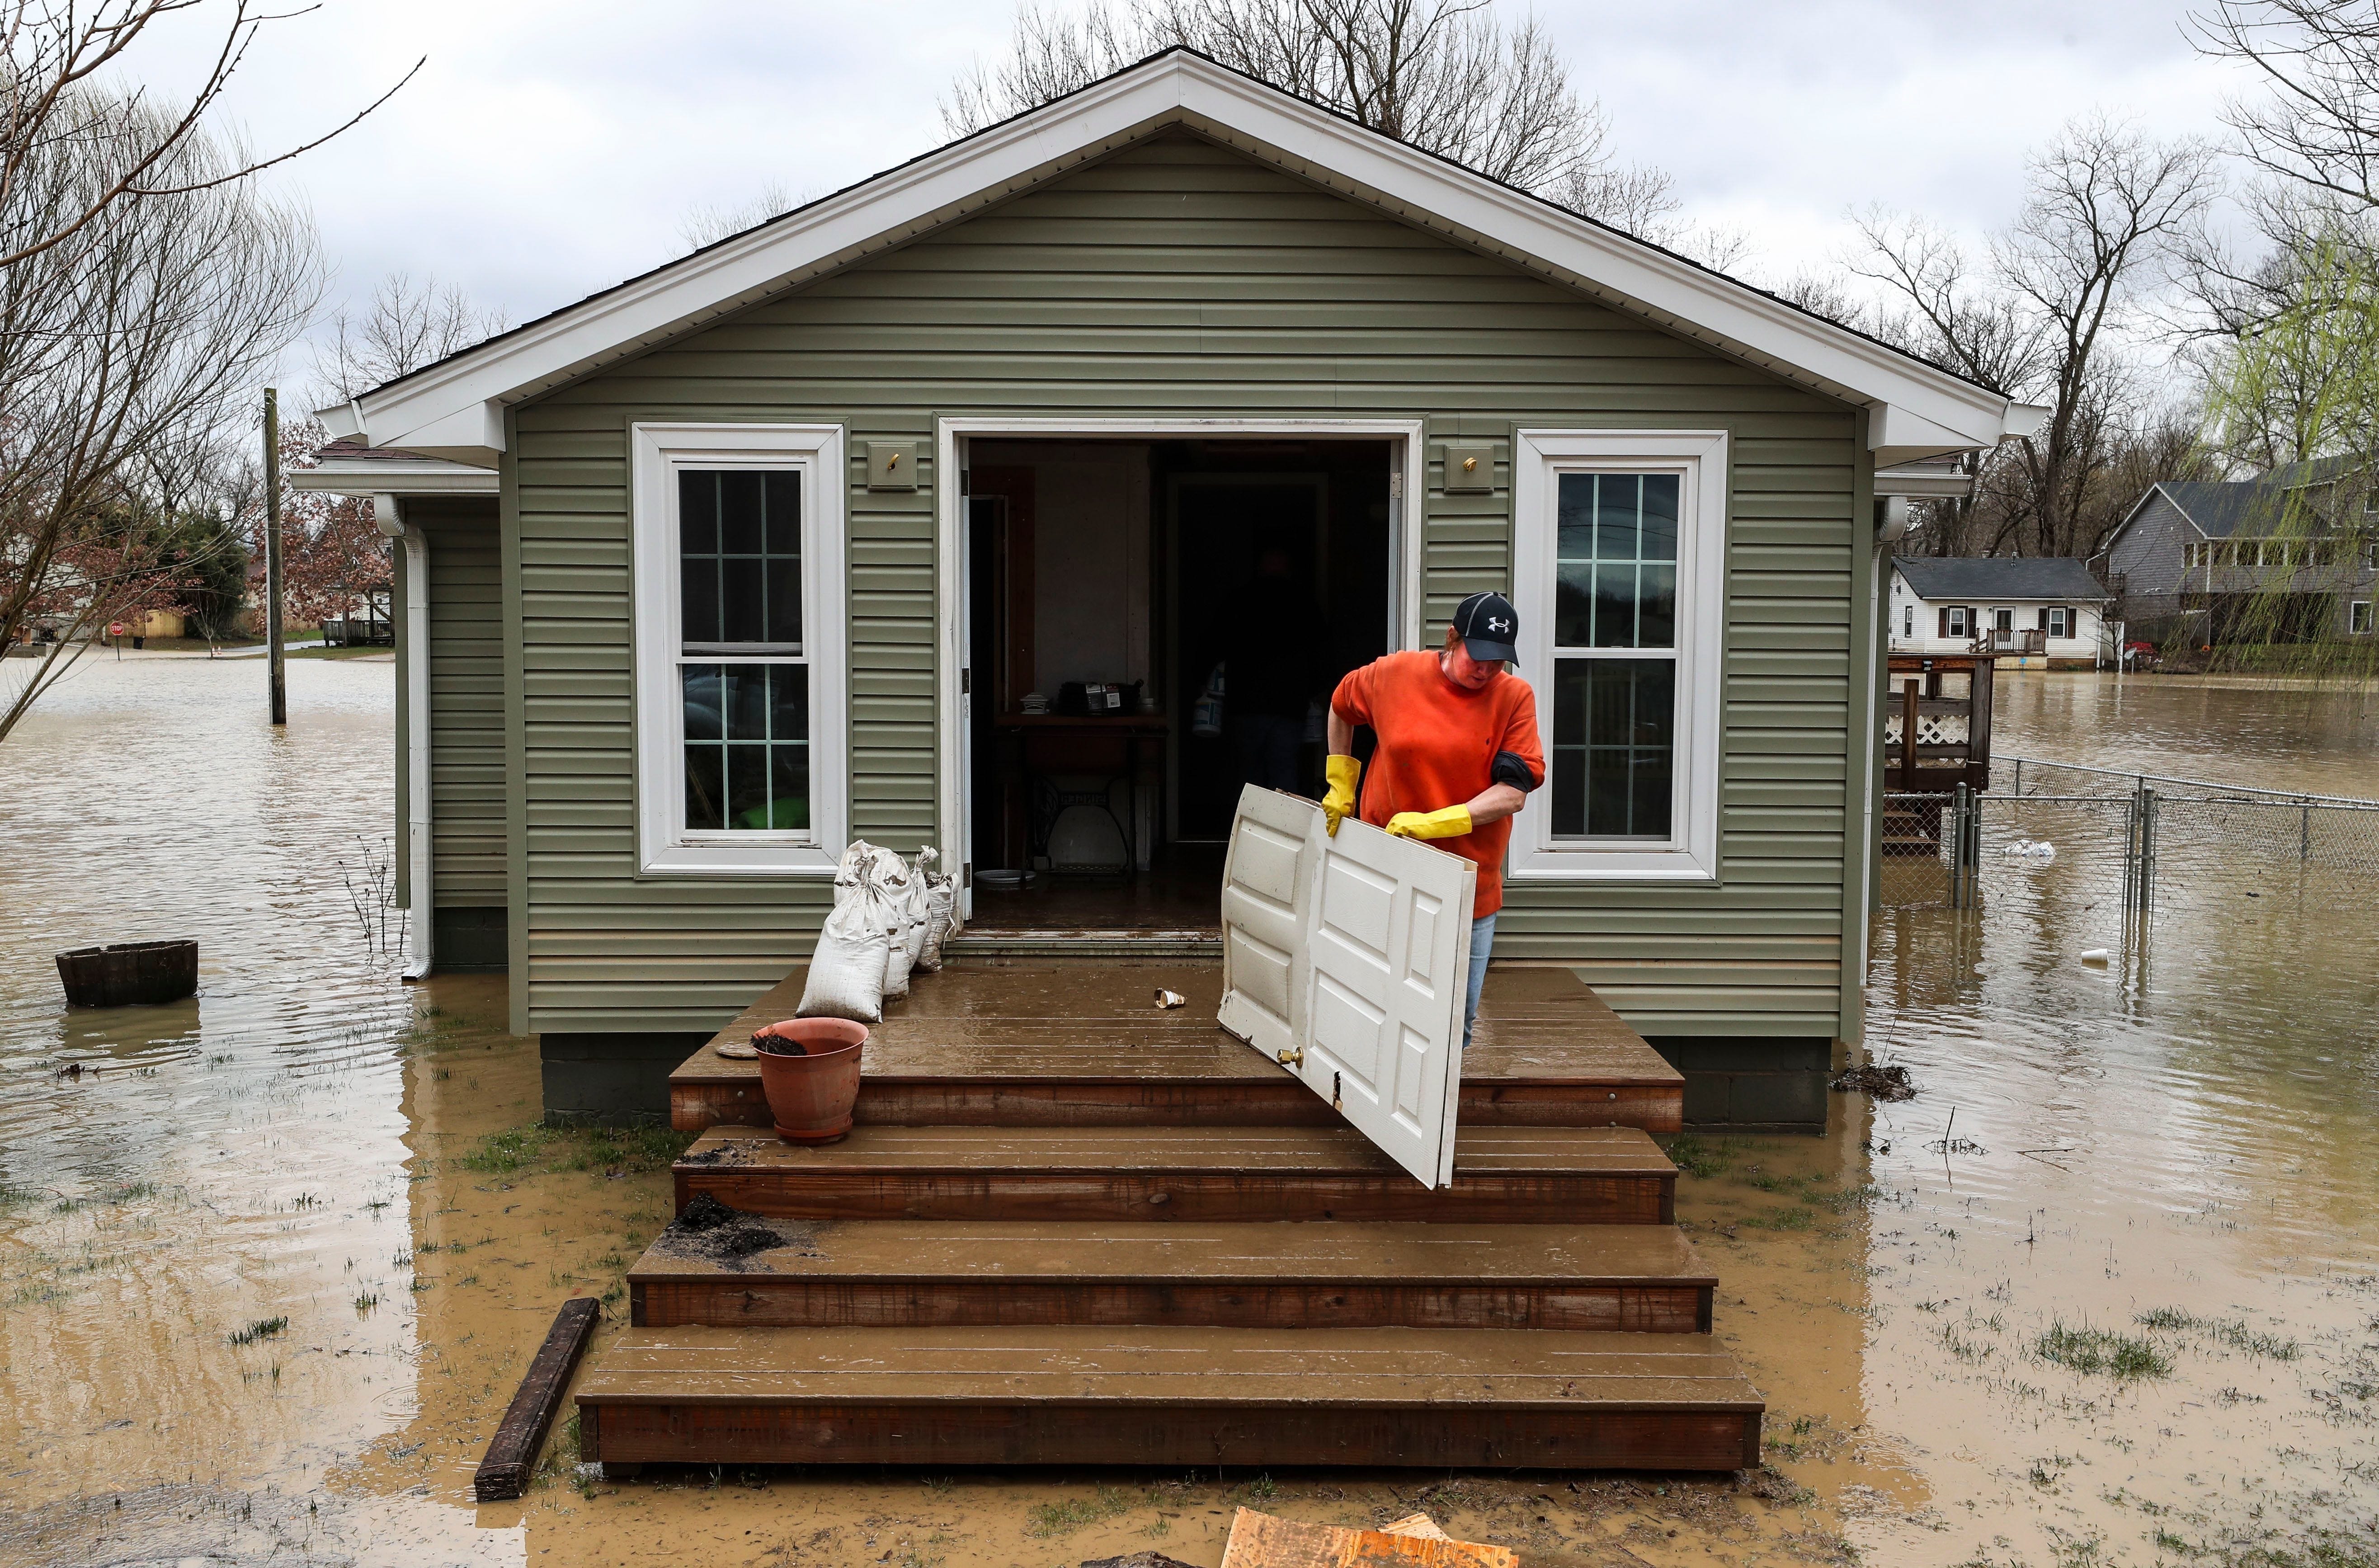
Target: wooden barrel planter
(129,973)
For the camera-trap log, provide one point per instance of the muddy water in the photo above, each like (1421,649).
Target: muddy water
(2186,1139)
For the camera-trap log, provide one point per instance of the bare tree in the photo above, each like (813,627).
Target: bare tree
(2045,316)
(54,57)
(1446,75)
(404,326)
(151,329)
(2317,124)
(708,223)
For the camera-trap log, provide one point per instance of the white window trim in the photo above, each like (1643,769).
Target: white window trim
(1691,853)
(665,845)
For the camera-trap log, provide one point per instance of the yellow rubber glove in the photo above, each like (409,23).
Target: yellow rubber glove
(1343,773)
(1451,823)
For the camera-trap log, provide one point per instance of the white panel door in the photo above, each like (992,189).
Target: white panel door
(1267,905)
(1353,975)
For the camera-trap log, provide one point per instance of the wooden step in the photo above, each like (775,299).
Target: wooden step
(1501,1176)
(1061,1396)
(893,1273)
(1057,1044)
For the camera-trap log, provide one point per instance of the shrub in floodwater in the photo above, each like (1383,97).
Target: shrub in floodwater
(366,1302)
(2086,1349)
(263,1328)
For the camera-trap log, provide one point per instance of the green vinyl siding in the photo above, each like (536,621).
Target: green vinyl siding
(466,701)
(1177,278)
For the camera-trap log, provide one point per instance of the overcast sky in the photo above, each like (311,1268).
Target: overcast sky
(550,148)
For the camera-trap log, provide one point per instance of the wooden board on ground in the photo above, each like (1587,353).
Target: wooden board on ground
(1420,1397)
(1052,1043)
(1514,1176)
(908,1272)
(1261,1540)
(504,1472)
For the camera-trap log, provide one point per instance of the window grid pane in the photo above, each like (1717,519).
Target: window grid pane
(1615,574)
(739,557)
(747,731)
(1614,747)
(1613,752)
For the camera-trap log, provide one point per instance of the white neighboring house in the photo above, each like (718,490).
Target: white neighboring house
(2034,613)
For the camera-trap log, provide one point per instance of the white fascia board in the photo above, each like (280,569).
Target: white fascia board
(384,477)
(1923,483)
(1429,192)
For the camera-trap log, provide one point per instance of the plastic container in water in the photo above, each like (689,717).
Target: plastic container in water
(129,973)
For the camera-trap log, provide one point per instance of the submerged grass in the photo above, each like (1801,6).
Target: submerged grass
(2086,1349)
(628,1150)
(263,1328)
(2231,1332)
(1074,1513)
(1705,1157)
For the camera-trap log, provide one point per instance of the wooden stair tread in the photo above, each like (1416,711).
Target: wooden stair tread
(1026,1023)
(1204,1367)
(1109,1151)
(1348,1253)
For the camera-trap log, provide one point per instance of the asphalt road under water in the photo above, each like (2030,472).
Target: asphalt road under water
(2183,1136)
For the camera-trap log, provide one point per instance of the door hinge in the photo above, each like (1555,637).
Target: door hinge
(966,874)
(1395,484)
(1292,1058)
(966,682)
(966,481)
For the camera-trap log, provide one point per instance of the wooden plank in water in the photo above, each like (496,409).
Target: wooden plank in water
(1425,1397)
(1509,1176)
(895,1273)
(503,1471)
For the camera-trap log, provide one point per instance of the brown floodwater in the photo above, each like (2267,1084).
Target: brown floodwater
(273,1260)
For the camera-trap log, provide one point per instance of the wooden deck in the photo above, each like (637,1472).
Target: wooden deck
(1169,1396)
(1644,1279)
(1057,1044)
(1072,1228)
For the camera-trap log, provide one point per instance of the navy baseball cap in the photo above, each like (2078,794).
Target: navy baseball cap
(1489,627)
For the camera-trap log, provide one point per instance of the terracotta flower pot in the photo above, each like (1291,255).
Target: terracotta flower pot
(812,1078)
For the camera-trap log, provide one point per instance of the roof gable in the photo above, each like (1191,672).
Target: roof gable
(455,408)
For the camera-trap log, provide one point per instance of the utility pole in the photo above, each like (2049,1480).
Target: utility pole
(273,556)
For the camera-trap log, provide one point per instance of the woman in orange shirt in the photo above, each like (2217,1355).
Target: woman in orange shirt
(1458,753)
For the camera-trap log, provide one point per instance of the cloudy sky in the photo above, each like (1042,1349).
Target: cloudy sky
(549,148)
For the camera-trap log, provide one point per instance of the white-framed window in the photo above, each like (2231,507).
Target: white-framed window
(2357,616)
(1621,540)
(737,547)
(2056,621)
(1908,620)
(1953,622)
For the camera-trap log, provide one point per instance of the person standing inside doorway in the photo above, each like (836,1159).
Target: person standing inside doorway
(1272,671)
(1458,753)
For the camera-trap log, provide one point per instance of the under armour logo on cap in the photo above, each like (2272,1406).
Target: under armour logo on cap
(1489,627)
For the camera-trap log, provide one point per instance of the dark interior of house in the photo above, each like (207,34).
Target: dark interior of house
(1153,624)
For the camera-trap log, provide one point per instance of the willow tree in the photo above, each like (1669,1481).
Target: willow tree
(2295,393)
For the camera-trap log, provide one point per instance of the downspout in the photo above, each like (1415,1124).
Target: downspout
(421,901)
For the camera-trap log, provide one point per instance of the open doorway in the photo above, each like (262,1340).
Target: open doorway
(1152,624)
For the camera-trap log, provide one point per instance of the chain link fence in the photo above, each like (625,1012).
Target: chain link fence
(2099,853)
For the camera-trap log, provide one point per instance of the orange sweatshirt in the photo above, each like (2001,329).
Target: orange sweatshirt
(1437,749)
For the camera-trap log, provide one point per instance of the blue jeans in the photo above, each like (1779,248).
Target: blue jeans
(1482,942)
